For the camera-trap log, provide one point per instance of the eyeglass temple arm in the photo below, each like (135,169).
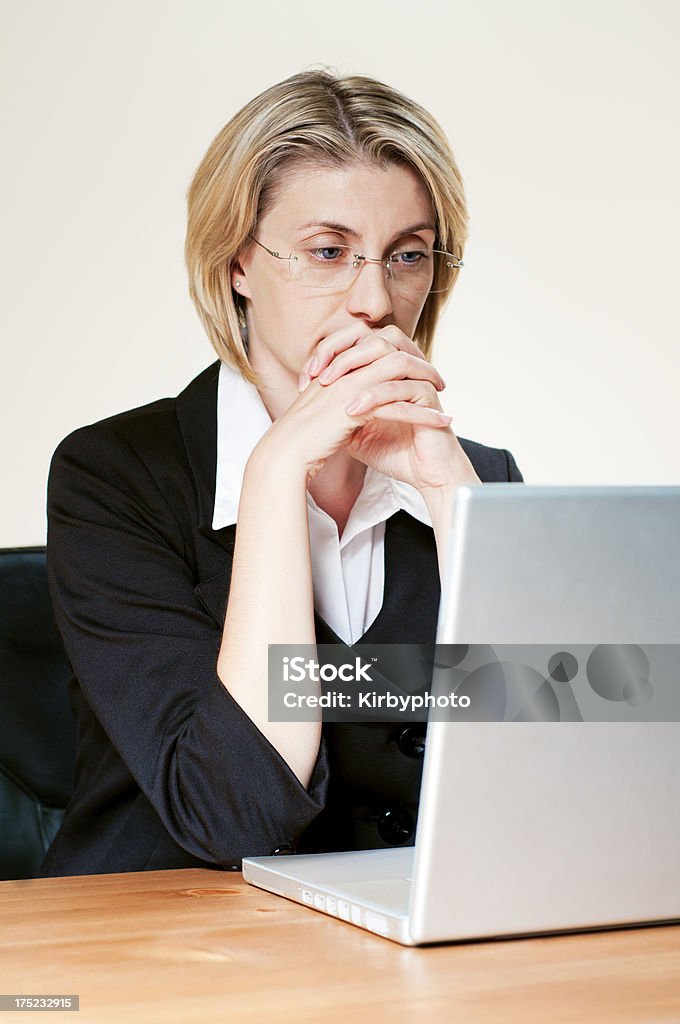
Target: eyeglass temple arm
(270,251)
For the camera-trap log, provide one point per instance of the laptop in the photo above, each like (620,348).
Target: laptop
(527,826)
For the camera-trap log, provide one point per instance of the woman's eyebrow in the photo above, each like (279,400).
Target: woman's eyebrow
(334,226)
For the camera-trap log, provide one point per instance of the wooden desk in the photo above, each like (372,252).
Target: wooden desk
(198,945)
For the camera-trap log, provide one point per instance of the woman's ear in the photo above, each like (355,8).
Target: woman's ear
(238,280)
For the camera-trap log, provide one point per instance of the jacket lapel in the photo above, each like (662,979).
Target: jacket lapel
(196,409)
(197,415)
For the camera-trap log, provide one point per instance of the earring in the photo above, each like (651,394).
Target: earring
(237,284)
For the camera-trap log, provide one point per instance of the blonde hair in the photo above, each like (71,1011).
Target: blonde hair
(322,119)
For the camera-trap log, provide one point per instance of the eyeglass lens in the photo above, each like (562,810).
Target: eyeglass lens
(413,271)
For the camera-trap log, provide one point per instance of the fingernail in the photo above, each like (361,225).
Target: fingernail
(353,407)
(313,366)
(326,376)
(444,418)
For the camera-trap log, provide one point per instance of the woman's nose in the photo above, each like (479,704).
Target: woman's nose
(368,295)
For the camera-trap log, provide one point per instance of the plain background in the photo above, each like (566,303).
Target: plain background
(561,340)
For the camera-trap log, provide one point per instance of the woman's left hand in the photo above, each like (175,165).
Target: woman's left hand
(427,457)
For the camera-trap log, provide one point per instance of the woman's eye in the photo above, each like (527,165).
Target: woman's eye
(409,258)
(327,253)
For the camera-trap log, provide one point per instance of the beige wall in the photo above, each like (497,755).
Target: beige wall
(562,339)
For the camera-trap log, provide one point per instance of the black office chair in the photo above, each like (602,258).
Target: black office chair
(37,727)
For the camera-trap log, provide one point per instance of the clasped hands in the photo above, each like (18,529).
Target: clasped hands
(389,393)
(374,392)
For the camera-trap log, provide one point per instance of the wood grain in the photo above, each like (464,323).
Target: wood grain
(199,945)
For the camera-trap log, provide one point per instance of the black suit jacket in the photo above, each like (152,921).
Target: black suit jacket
(170,771)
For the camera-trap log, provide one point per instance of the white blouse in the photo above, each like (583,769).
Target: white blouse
(348,573)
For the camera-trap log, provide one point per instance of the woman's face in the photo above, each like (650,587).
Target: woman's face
(372,210)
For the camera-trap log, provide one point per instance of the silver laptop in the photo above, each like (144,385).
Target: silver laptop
(534,826)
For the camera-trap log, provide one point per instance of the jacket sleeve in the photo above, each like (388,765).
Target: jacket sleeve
(514,474)
(144,652)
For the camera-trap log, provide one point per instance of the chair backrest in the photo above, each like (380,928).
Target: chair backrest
(37,727)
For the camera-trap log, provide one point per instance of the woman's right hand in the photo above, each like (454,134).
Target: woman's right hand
(317,424)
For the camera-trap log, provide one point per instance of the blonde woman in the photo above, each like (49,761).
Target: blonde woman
(297,491)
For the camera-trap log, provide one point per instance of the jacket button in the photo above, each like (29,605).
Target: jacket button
(395,826)
(411,741)
(283,851)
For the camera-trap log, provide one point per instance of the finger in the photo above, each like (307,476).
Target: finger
(303,377)
(346,338)
(336,342)
(401,340)
(419,391)
(402,366)
(404,363)
(371,348)
(409,412)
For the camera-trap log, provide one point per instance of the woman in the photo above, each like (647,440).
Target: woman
(326,228)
